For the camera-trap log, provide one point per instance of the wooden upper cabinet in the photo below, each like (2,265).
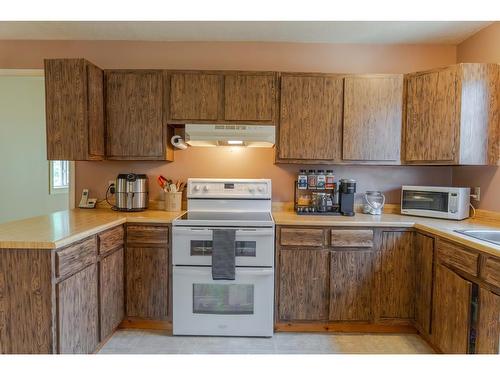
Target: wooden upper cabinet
(135,116)
(194,96)
(373,112)
(311,118)
(452,115)
(250,97)
(74,110)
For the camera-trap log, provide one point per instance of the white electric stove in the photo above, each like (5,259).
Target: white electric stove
(239,307)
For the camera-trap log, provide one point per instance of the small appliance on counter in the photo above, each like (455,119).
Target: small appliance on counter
(346,196)
(131,192)
(374,202)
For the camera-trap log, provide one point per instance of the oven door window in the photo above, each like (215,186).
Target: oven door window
(226,299)
(204,247)
(425,200)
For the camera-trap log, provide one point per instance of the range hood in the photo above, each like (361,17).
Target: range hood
(212,135)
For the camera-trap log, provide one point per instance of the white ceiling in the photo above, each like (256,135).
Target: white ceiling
(432,32)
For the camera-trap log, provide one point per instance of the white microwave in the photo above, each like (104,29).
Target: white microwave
(434,201)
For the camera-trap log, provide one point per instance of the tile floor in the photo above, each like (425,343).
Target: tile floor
(157,342)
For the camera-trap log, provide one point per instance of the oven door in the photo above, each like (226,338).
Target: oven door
(193,246)
(240,307)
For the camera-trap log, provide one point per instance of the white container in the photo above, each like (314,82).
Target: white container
(173,201)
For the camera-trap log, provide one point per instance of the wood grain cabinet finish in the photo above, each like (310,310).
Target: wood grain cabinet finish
(488,325)
(77,312)
(308,237)
(424,260)
(451,311)
(490,271)
(147,235)
(352,283)
(304,285)
(310,118)
(458,257)
(147,282)
(397,279)
(135,112)
(351,237)
(75,257)
(452,115)
(74,103)
(373,113)
(111,292)
(111,239)
(250,97)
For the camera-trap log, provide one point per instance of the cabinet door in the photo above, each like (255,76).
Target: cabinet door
(451,311)
(134,110)
(74,110)
(397,275)
(195,96)
(250,97)
(111,292)
(433,117)
(488,325)
(352,277)
(311,118)
(424,254)
(77,315)
(147,282)
(373,110)
(303,285)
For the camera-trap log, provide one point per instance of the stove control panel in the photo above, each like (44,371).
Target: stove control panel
(229,188)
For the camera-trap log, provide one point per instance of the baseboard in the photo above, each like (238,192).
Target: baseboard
(344,327)
(134,323)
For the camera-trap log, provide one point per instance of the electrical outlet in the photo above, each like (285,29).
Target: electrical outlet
(476,194)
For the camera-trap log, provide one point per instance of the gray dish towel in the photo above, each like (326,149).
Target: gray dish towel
(223,254)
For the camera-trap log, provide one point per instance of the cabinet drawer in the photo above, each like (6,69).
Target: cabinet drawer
(490,271)
(458,257)
(75,257)
(147,234)
(351,237)
(301,237)
(110,239)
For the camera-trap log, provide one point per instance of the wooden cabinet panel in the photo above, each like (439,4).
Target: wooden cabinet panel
(111,285)
(432,116)
(490,271)
(195,96)
(149,235)
(77,315)
(250,97)
(301,237)
(111,239)
(397,271)
(351,237)
(134,114)
(456,256)
(147,282)
(451,311)
(352,277)
(373,110)
(311,117)
(74,110)
(424,255)
(488,325)
(303,285)
(75,257)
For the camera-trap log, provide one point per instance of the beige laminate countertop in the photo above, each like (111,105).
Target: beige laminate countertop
(64,227)
(439,227)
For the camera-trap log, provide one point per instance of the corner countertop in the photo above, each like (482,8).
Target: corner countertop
(439,227)
(64,227)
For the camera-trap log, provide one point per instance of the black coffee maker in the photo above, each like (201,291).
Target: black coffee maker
(347,189)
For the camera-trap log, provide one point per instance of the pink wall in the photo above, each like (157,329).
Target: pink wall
(221,162)
(483,46)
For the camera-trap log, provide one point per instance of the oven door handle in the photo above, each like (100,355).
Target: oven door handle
(182,270)
(240,232)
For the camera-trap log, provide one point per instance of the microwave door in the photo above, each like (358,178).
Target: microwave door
(425,200)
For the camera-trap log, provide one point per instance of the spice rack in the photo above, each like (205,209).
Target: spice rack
(307,206)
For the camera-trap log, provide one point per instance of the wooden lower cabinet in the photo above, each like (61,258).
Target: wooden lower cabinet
(451,311)
(424,255)
(303,284)
(488,324)
(77,312)
(352,280)
(147,282)
(111,288)
(397,275)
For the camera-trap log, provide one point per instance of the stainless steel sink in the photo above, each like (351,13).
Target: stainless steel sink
(492,236)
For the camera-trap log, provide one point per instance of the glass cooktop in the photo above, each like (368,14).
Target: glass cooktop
(207,216)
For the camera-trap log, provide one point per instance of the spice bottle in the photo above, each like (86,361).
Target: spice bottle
(330,181)
(302,179)
(320,179)
(311,179)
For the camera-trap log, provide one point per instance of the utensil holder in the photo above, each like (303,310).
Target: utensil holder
(173,201)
